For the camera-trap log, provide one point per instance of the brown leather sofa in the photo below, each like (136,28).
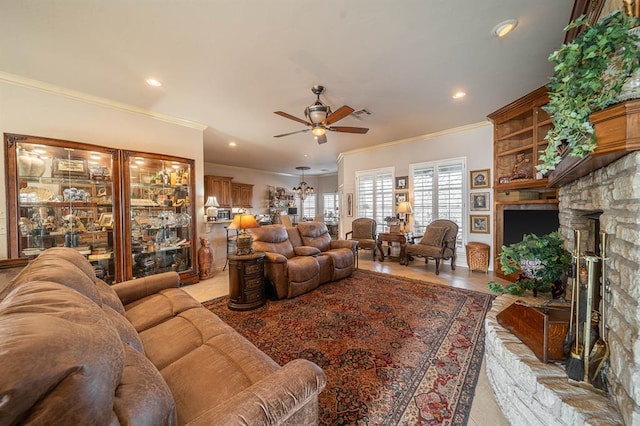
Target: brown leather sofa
(299,259)
(75,350)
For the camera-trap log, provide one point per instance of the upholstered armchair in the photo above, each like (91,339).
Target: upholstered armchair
(438,243)
(363,230)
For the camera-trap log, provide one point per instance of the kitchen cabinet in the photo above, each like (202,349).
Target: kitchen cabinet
(242,195)
(219,187)
(64,194)
(159,219)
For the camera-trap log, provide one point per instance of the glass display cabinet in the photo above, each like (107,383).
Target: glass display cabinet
(159,223)
(63,194)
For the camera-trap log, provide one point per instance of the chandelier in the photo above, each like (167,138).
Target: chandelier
(303,189)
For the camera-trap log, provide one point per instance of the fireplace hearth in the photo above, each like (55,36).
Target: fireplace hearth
(607,200)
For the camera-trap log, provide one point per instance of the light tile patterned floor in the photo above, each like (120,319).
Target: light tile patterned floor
(485,411)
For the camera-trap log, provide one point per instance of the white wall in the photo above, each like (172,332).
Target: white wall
(474,143)
(34,111)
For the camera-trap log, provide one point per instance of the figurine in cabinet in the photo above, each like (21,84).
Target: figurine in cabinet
(522,168)
(205,259)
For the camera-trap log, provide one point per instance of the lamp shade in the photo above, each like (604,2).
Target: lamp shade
(404,207)
(244,221)
(212,202)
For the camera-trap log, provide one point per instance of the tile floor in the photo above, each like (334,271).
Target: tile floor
(484,411)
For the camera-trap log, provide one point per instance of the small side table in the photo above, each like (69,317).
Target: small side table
(392,237)
(478,256)
(246,281)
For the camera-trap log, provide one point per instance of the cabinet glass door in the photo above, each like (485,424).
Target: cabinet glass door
(64,196)
(160,223)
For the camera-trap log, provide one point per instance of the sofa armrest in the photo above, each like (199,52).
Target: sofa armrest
(272,400)
(132,290)
(275,257)
(348,244)
(306,251)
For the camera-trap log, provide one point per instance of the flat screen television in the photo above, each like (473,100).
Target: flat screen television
(517,223)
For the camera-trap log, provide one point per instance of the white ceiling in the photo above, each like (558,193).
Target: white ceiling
(230,64)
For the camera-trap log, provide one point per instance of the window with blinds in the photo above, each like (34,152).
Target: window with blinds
(309,207)
(330,202)
(375,195)
(438,194)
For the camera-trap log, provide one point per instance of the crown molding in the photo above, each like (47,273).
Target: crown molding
(420,138)
(29,83)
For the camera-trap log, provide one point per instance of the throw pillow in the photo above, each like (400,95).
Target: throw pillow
(434,235)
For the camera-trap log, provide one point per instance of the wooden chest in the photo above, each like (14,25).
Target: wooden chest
(543,330)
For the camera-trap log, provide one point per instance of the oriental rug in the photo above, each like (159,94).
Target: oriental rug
(395,350)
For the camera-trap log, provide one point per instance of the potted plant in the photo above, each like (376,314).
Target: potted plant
(540,262)
(588,76)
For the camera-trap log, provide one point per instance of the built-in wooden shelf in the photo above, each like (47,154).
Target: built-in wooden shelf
(617,134)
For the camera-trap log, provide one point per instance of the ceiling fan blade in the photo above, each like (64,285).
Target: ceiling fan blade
(339,114)
(321,139)
(347,129)
(291,133)
(291,117)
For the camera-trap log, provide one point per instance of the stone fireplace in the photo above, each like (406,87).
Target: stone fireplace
(540,393)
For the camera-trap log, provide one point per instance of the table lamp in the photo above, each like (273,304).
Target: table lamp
(405,208)
(243,222)
(212,208)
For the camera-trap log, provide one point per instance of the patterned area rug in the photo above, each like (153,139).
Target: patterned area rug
(395,350)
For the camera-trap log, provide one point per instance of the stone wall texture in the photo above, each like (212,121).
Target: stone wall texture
(615,190)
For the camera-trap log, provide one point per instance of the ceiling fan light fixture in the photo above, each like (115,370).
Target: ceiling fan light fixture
(504,27)
(317,113)
(318,130)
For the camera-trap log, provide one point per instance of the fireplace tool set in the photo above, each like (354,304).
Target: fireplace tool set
(585,343)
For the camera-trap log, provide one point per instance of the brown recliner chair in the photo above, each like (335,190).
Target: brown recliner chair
(363,230)
(438,242)
(300,259)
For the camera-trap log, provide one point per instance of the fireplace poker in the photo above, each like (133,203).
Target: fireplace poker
(574,365)
(592,262)
(600,351)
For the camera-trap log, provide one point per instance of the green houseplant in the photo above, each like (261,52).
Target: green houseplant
(588,76)
(541,261)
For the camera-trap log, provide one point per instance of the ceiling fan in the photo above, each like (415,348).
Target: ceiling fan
(320,118)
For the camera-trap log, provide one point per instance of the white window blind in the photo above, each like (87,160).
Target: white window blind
(375,195)
(309,207)
(330,205)
(438,194)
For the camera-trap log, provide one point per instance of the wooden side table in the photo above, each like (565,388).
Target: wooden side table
(246,281)
(392,237)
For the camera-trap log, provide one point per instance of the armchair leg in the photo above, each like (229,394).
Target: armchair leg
(453,263)
(437,266)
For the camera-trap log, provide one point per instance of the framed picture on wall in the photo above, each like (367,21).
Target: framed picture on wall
(479,200)
(402,183)
(349,204)
(400,197)
(479,223)
(480,178)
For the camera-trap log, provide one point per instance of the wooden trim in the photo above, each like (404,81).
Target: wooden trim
(536,98)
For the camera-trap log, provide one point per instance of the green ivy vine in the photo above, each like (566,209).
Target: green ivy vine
(584,82)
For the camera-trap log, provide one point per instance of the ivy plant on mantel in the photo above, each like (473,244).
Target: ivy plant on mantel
(589,75)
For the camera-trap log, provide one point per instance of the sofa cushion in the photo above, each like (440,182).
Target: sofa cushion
(306,251)
(433,236)
(154,309)
(59,270)
(123,327)
(272,238)
(315,234)
(201,339)
(61,358)
(109,296)
(72,256)
(143,396)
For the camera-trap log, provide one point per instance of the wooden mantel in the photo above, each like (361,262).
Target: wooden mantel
(617,130)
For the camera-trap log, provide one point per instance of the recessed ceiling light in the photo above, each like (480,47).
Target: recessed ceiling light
(306,155)
(232,144)
(459,95)
(504,27)
(153,82)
